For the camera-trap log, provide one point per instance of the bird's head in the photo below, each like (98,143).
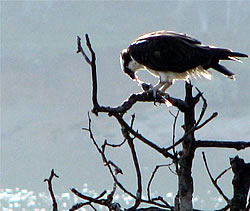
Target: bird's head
(127,64)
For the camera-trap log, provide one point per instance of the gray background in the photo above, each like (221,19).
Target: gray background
(46,92)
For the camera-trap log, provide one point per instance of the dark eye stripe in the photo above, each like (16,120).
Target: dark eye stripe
(126,58)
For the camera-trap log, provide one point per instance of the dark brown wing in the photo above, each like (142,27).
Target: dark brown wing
(182,36)
(169,51)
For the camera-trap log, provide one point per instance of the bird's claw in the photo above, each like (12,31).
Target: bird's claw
(150,88)
(146,87)
(154,92)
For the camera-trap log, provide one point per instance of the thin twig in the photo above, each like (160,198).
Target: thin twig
(212,179)
(80,50)
(159,198)
(92,63)
(49,181)
(215,114)
(191,130)
(136,164)
(108,163)
(152,177)
(79,205)
(221,174)
(174,129)
(132,120)
(92,207)
(138,174)
(111,145)
(204,107)
(88,198)
(142,138)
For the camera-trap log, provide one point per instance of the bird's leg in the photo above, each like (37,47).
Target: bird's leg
(163,88)
(157,87)
(166,85)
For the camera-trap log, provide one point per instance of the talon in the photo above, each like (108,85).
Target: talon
(146,86)
(154,92)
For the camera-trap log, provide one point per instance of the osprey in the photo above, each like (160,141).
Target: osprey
(174,56)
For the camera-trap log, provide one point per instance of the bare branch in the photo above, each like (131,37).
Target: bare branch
(80,50)
(78,206)
(132,120)
(111,145)
(238,145)
(212,179)
(92,207)
(108,163)
(142,138)
(221,174)
(174,129)
(136,164)
(203,110)
(142,97)
(138,173)
(204,107)
(152,176)
(49,181)
(92,63)
(207,121)
(164,202)
(88,198)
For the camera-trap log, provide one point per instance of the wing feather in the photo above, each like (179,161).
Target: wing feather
(168,51)
(183,36)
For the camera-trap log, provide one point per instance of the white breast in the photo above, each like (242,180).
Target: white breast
(171,76)
(135,66)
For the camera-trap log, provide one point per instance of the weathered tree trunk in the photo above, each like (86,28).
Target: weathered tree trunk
(186,157)
(241,183)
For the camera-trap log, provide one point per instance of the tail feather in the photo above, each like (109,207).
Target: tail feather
(224,54)
(222,69)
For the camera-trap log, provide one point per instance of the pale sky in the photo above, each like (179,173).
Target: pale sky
(46,88)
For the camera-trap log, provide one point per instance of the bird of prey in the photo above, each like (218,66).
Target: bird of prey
(174,56)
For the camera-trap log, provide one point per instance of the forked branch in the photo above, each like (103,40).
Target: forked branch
(49,181)
(213,180)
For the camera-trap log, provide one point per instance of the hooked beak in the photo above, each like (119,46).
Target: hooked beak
(131,74)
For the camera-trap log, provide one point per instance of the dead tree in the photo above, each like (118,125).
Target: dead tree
(182,160)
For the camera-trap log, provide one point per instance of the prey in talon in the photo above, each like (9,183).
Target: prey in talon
(172,56)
